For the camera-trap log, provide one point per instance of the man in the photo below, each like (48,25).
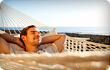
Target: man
(32,40)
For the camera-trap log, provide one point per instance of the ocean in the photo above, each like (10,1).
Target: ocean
(85,30)
(78,30)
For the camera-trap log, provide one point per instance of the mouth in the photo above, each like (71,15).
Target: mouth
(37,39)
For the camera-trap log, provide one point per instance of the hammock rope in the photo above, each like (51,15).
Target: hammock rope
(3,22)
(18,19)
(8,18)
(6,23)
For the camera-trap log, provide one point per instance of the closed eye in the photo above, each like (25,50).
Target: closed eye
(33,32)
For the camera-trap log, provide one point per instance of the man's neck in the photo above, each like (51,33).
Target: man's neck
(31,49)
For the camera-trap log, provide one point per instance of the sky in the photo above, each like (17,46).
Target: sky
(65,13)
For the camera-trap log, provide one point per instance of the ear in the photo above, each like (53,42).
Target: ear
(23,37)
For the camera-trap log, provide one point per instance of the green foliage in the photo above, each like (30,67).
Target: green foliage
(93,38)
(106,42)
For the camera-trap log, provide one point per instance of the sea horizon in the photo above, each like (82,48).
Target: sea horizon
(77,30)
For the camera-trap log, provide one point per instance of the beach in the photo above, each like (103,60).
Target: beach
(103,39)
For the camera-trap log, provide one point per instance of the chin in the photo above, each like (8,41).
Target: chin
(36,45)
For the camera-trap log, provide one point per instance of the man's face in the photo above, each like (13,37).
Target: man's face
(33,37)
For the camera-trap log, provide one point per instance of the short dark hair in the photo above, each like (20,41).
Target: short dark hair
(24,32)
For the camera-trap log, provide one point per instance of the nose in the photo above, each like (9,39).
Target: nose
(38,34)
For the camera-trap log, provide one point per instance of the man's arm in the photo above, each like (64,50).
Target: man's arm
(11,39)
(58,40)
(8,38)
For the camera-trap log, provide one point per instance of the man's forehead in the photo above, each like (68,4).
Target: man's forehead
(33,29)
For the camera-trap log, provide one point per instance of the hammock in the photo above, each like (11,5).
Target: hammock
(14,19)
(10,17)
(65,61)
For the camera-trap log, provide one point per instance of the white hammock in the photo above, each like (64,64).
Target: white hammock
(10,17)
(65,61)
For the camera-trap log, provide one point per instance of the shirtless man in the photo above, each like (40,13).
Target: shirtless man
(30,40)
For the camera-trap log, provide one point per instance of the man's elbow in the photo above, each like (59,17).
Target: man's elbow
(64,36)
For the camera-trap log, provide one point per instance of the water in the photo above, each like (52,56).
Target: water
(85,30)
(78,30)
